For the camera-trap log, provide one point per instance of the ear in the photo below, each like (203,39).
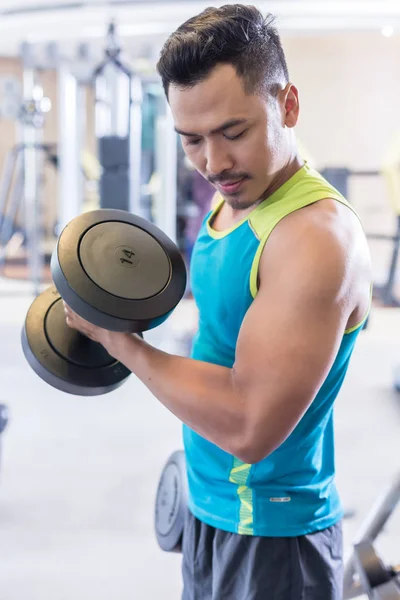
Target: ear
(290,105)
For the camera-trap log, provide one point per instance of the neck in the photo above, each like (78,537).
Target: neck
(291,167)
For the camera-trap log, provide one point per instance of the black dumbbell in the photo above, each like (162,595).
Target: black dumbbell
(117,271)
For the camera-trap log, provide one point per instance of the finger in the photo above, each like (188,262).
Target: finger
(75,319)
(70,322)
(81,330)
(68,311)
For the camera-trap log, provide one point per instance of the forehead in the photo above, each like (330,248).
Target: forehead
(206,105)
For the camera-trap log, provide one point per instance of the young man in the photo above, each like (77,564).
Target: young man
(281,276)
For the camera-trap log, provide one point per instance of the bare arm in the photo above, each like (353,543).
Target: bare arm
(286,347)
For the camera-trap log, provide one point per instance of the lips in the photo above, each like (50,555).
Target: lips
(231,187)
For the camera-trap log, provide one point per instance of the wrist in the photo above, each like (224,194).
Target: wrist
(115,344)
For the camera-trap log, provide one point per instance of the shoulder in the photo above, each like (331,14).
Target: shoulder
(318,247)
(326,216)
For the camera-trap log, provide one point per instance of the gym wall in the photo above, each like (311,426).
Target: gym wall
(349,87)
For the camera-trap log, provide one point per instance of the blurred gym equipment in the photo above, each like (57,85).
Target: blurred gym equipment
(118,129)
(378,581)
(364,572)
(23,167)
(390,172)
(171,503)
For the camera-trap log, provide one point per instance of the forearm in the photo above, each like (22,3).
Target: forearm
(200,394)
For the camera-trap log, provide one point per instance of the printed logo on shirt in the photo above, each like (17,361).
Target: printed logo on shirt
(283,499)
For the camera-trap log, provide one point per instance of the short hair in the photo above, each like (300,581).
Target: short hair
(233,34)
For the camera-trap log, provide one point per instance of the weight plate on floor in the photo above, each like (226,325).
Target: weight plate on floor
(118,271)
(64,358)
(171,503)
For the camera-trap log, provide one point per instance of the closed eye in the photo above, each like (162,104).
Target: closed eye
(197,141)
(235,137)
(193,142)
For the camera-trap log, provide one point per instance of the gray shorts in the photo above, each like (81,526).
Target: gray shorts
(218,565)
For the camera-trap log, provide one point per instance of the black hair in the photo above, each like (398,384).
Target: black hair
(233,34)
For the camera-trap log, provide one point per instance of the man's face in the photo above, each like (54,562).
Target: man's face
(237,141)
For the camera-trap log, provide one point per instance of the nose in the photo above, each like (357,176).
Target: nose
(217,159)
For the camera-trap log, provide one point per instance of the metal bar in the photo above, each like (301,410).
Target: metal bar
(7,225)
(70,122)
(166,166)
(383,237)
(6,181)
(365,173)
(135,150)
(32,169)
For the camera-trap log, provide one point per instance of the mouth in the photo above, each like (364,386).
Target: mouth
(231,187)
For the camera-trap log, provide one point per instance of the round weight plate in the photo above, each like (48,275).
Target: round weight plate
(64,358)
(118,271)
(124,260)
(171,504)
(70,345)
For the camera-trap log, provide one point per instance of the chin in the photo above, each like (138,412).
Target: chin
(240,203)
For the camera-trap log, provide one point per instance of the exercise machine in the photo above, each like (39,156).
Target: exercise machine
(365,573)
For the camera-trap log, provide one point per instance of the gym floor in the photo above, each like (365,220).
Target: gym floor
(79,475)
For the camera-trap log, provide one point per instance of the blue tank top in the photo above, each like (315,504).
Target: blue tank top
(292,491)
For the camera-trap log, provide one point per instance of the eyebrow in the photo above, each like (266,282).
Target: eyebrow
(226,125)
